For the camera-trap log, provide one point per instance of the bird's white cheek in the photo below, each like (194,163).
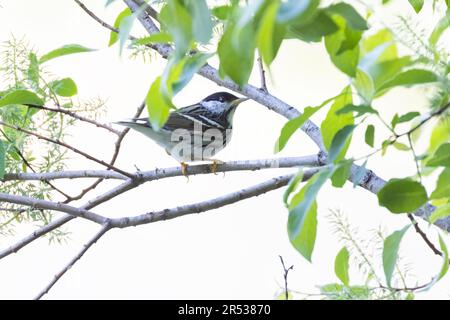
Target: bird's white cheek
(214,106)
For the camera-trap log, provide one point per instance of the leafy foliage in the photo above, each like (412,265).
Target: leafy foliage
(27,87)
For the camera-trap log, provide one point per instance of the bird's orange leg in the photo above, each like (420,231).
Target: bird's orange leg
(214,165)
(184,167)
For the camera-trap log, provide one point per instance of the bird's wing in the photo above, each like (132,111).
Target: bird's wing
(179,120)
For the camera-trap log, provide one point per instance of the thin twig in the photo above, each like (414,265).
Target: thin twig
(65,145)
(54,206)
(262,74)
(424,236)
(71,263)
(117,146)
(78,117)
(415,157)
(285,276)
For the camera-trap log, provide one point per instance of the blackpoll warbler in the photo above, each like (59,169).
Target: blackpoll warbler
(196,132)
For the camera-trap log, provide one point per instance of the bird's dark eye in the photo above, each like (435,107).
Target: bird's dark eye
(221,99)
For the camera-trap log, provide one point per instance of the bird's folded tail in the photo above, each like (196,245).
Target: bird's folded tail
(132,122)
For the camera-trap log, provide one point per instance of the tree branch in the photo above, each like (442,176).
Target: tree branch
(207,205)
(160,173)
(85,248)
(54,206)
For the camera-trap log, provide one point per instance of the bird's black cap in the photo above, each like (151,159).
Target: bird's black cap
(221,96)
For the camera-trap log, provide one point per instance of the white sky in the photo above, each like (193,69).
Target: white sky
(231,252)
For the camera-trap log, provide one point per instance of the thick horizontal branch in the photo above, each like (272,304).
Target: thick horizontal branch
(166,214)
(159,173)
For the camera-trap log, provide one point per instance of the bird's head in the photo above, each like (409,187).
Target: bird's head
(221,102)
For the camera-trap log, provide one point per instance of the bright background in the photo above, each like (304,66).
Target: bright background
(228,253)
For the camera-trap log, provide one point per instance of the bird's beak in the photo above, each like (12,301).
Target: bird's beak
(238,101)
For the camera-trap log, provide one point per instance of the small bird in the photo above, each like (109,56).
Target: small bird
(196,132)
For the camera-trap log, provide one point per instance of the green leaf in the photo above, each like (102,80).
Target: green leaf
(444,250)
(439,135)
(442,25)
(33,68)
(322,25)
(404,118)
(339,142)
(341,173)
(160,37)
(158,105)
(125,26)
(384,146)
(353,18)
(24,97)
(369,136)
(341,266)
(332,288)
(201,20)
(360,110)
(417,5)
(293,184)
(298,11)
(302,221)
(400,146)
(364,85)
(65,87)
(113,36)
(177,20)
(385,71)
(409,78)
(221,12)
(378,48)
(347,60)
(2,159)
(237,45)
(270,34)
(390,252)
(63,51)
(291,126)
(334,122)
(440,158)
(190,67)
(443,186)
(402,195)
(294,124)
(440,213)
